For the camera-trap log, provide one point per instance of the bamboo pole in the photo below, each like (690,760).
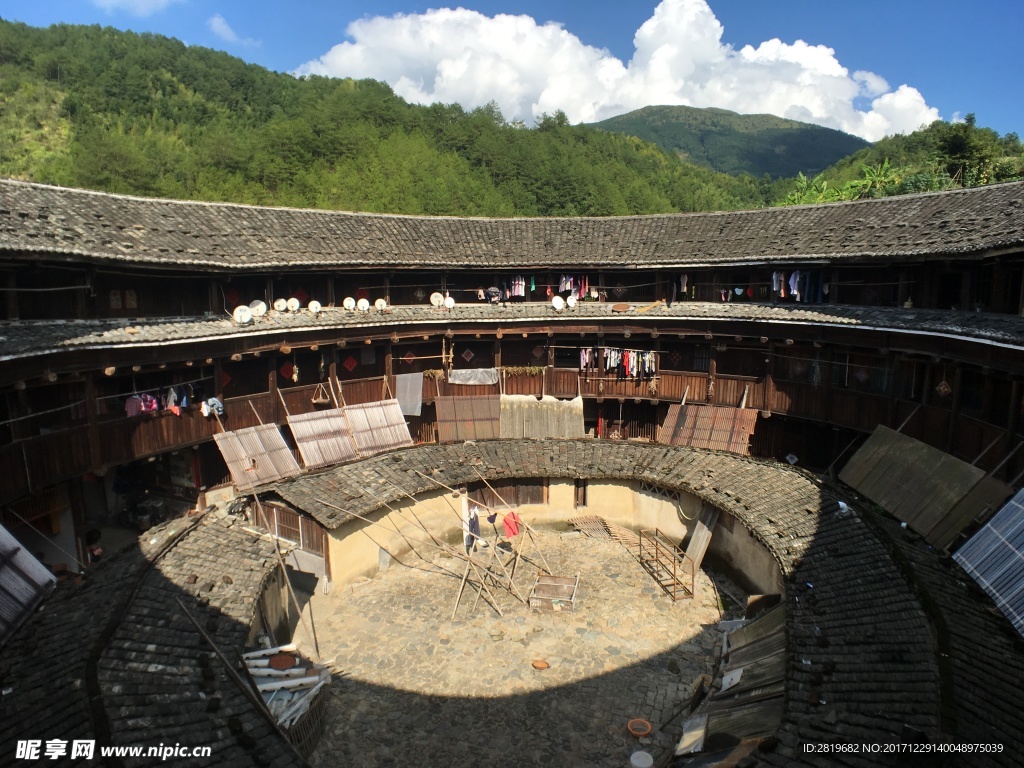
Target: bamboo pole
(504,566)
(526,525)
(444,547)
(247,691)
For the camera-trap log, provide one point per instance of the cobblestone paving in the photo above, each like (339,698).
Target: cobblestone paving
(418,688)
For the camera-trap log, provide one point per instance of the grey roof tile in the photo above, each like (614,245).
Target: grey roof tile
(227,237)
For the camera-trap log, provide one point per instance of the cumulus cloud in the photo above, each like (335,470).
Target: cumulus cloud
(220,27)
(134,7)
(459,55)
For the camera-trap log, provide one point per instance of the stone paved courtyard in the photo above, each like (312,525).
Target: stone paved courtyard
(414,687)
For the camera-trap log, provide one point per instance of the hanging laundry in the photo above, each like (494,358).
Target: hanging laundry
(133,406)
(511,523)
(794,284)
(470,521)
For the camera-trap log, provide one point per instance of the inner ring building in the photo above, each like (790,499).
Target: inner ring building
(836,388)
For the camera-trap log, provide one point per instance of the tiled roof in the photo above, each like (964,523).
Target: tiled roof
(116,661)
(48,659)
(28,338)
(862,660)
(215,236)
(987,657)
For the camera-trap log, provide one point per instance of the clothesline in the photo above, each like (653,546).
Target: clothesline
(43,413)
(45,290)
(158,389)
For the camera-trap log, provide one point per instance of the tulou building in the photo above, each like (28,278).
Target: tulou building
(827,399)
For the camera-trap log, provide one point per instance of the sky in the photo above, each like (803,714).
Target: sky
(871,68)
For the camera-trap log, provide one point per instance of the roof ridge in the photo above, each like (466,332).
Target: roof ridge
(894,199)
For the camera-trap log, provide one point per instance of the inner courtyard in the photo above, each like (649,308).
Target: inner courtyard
(413,680)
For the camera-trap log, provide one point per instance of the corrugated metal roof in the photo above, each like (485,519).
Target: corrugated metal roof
(526,416)
(947,493)
(475,417)
(994,557)
(256,455)
(716,427)
(24,582)
(378,427)
(323,437)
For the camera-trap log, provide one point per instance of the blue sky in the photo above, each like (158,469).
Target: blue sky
(870,67)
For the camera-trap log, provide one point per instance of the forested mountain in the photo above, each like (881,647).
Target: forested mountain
(144,114)
(733,143)
(103,109)
(939,157)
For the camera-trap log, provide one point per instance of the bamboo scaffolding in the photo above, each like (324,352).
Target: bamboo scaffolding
(511,586)
(451,551)
(526,526)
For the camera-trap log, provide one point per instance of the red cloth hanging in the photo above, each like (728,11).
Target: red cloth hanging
(511,523)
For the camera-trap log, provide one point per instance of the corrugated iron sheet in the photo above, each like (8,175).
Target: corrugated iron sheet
(729,727)
(256,455)
(715,427)
(378,427)
(24,582)
(934,493)
(323,437)
(468,418)
(526,416)
(994,557)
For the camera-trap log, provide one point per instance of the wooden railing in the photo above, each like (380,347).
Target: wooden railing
(32,463)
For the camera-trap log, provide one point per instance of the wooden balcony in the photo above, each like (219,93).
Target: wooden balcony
(33,463)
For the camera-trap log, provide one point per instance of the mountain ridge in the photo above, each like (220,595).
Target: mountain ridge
(733,143)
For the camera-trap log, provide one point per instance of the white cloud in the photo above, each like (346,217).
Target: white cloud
(220,27)
(459,55)
(134,7)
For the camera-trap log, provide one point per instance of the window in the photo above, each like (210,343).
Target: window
(580,497)
(502,494)
(701,358)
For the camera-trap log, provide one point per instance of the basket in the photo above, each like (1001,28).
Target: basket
(320,396)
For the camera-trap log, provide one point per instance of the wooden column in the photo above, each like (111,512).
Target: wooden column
(895,370)
(998,298)
(275,401)
(709,395)
(12,296)
(827,383)
(95,445)
(332,369)
(1014,420)
(904,288)
(954,413)
(769,379)
(968,279)
(214,299)
(1012,426)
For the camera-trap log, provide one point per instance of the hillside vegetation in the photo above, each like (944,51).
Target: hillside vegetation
(733,143)
(940,157)
(102,109)
(98,108)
